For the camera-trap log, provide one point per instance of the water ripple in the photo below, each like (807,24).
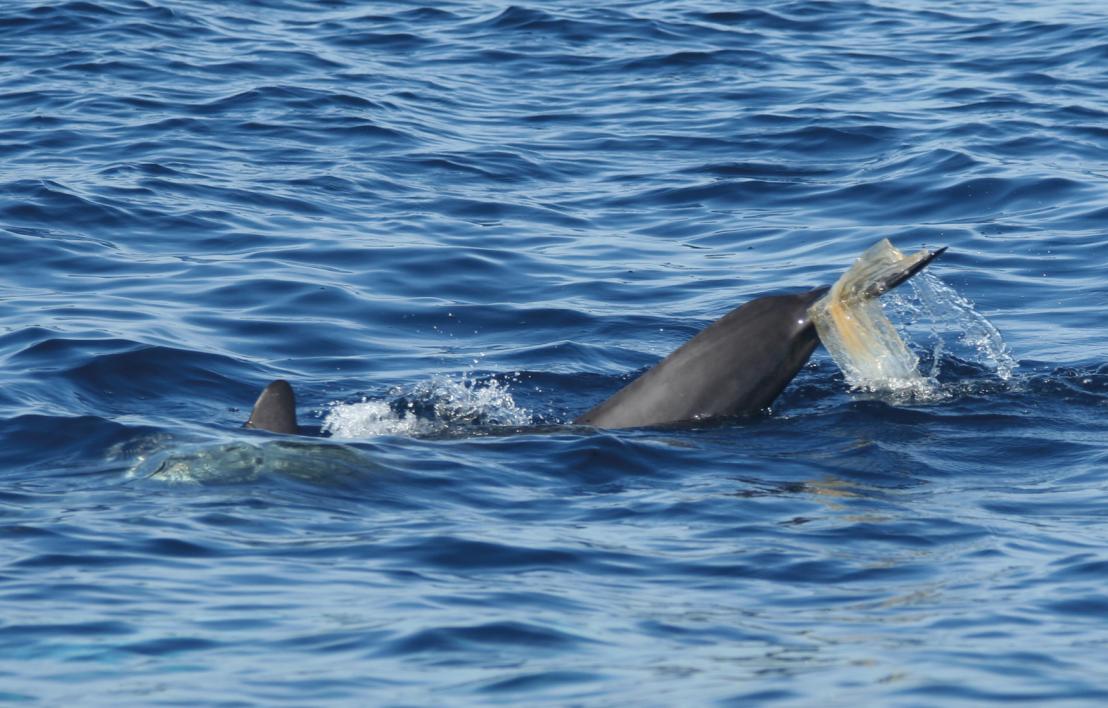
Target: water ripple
(475,221)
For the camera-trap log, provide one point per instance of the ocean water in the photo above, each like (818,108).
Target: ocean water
(455,227)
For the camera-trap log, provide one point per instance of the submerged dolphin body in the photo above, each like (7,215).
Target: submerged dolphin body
(738,365)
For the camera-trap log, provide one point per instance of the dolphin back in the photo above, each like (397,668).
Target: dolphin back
(737,366)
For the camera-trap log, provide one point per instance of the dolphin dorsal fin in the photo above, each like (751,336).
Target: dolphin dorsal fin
(275,410)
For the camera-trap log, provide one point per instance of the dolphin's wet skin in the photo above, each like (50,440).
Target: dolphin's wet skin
(736,366)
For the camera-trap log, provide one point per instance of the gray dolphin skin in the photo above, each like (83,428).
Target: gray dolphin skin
(736,366)
(275,410)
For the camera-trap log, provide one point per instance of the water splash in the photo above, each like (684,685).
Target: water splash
(934,319)
(854,328)
(953,327)
(427,408)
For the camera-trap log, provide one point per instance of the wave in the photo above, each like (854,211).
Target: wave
(455,228)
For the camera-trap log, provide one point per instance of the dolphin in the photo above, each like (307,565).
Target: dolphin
(736,366)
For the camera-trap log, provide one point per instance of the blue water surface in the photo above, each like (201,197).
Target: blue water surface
(485,218)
